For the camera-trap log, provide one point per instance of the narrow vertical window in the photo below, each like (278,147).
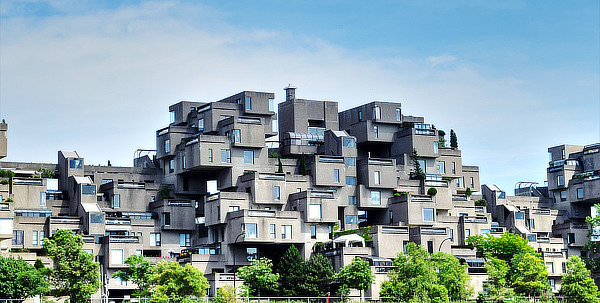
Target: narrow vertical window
(376,112)
(210,155)
(276,193)
(42,198)
(116,201)
(377,177)
(336,175)
(398,115)
(167,146)
(375,197)
(313,232)
(201,125)
(183,162)
(34,238)
(248,103)
(376,131)
(249,157)
(171,116)
(271,105)
(272,233)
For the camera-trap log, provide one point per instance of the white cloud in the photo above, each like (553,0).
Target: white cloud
(101,83)
(440,60)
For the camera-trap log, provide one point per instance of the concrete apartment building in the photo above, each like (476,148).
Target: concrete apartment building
(237,179)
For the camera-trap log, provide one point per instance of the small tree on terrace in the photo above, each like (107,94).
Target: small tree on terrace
(259,277)
(453,139)
(417,172)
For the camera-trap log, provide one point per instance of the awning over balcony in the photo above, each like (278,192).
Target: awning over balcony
(348,239)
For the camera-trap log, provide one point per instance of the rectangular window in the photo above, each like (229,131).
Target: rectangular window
(350,180)
(441,167)
(233,208)
(167,146)
(350,161)
(359,115)
(563,195)
(376,197)
(519,215)
(531,224)
(276,192)
(42,236)
(563,154)
(376,131)
(248,103)
(564,267)
(467,233)
(460,182)
(435,147)
(171,165)
(210,155)
(430,246)
(453,168)
(286,231)
(336,175)
(251,254)
(570,238)
(171,116)
(451,234)
(42,198)
(249,157)
(34,238)
(560,180)
(550,267)
(183,162)
(154,239)
(428,215)
(106,181)
(271,105)
(116,256)
(88,189)
(250,230)
(398,114)
(75,163)
(351,200)
(348,142)
(185,240)
(552,283)
(167,219)
(472,182)
(377,177)
(116,201)
(236,136)
(423,165)
(484,231)
(580,193)
(226,156)
(201,125)
(272,233)
(313,232)
(404,244)
(376,112)
(314,211)
(351,219)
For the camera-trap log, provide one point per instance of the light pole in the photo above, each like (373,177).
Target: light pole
(234,268)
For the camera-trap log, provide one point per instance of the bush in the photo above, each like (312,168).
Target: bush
(6,173)
(9,200)
(4,182)
(468,192)
(432,191)
(481,202)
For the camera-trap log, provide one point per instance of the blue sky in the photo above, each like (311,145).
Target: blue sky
(512,78)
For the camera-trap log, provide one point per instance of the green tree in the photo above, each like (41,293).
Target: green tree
(417,172)
(592,247)
(225,294)
(356,275)
(259,277)
(503,247)
(453,139)
(138,272)
(171,281)
(302,166)
(20,280)
(292,273)
(415,278)
(529,275)
(453,275)
(497,283)
(319,276)
(577,283)
(75,273)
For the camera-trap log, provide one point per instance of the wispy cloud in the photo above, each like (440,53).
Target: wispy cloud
(101,82)
(440,60)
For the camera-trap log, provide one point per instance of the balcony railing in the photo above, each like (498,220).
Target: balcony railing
(124,239)
(113,221)
(386,162)
(475,220)
(59,220)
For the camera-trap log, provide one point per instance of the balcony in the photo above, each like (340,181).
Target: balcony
(475,219)
(65,220)
(118,221)
(123,239)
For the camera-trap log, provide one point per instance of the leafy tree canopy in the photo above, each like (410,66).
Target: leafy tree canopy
(20,280)
(75,274)
(171,281)
(503,247)
(529,275)
(259,277)
(138,272)
(577,283)
(356,275)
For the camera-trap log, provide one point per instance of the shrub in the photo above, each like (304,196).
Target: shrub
(9,200)
(432,191)
(481,202)
(6,173)
(4,182)
(468,192)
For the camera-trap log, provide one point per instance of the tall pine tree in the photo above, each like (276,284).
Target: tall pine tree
(453,139)
(292,277)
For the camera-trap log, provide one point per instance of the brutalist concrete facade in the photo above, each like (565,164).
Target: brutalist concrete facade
(237,179)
